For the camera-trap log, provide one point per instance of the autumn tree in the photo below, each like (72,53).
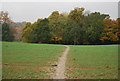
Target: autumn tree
(57,23)
(118,29)
(111,30)
(26,33)
(17,33)
(77,27)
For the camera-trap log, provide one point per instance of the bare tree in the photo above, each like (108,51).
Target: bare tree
(4,17)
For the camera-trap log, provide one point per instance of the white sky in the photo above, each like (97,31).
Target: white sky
(59,0)
(31,11)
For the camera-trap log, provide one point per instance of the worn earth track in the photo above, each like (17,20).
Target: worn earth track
(60,69)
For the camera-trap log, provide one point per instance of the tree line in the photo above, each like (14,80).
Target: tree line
(77,27)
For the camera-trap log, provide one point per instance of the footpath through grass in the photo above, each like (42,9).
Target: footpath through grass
(29,61)
(92,62)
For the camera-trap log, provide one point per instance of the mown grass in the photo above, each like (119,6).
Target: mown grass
(29,61)
(92,62)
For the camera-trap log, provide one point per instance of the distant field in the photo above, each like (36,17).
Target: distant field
(92,62)
(24,60)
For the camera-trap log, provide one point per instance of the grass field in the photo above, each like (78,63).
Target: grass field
(34,61)
(26,61)
(92,62)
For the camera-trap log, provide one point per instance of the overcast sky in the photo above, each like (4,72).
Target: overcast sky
(31,11)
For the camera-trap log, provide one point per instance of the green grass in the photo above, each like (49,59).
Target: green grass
(29,61)
(92,62)
(33,61)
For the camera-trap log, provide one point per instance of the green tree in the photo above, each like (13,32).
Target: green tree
(69,35)
(77,17)
(5,21)
(6,33)
(94,26)
(41,31)
(57,23)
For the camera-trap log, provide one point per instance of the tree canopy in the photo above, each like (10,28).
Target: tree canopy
(5,22)
(77,27)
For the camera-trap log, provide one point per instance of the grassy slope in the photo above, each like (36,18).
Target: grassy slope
(24,60)
(92,62)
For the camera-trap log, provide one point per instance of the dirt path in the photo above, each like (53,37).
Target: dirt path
(60,69)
